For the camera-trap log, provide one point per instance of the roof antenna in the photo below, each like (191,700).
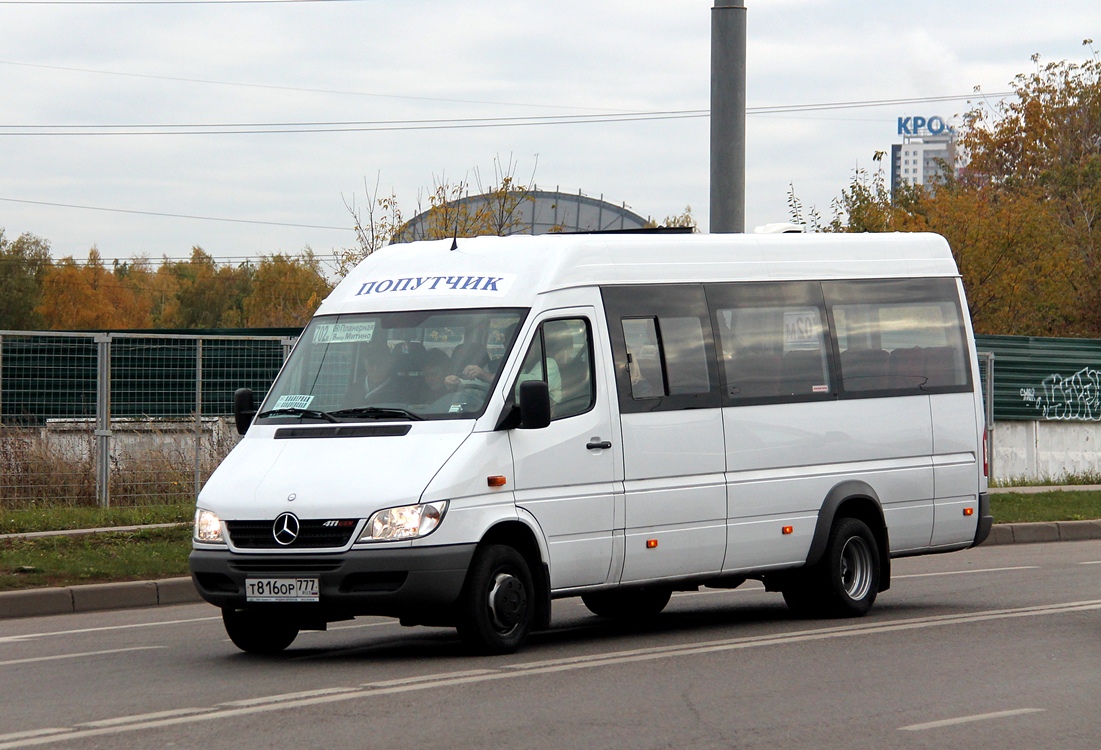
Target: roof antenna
(455,237)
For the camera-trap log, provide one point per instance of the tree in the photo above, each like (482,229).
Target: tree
(23,266)
(1023,216)
(208,295)
(496,209)
(285,291)
(89,296)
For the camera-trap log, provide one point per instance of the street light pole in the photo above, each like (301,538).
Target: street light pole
(728,34)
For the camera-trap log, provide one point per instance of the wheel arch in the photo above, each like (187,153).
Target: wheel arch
(525,540)
(853,499)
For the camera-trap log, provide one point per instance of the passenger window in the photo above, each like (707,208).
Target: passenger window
(663,347)
(773,342)
(899,336)
(685,355)
(643,357)
(561,354)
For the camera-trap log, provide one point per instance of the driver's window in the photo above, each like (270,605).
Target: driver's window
(560,354)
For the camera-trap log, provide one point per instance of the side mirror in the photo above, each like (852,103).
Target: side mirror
(535,405)
(244,409)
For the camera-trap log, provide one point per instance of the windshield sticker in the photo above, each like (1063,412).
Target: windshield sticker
(480,285)
(343,333)
(293,402)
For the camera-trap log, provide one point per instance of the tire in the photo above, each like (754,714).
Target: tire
(255,633)
(498,601)
(845,582)
(628,604)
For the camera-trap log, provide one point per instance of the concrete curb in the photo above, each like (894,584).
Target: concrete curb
(1031,533)
(135,594)
(97,597)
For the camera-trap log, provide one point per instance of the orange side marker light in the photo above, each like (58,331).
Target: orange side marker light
(969,511)
(788,529)
(651,543)
(496,481)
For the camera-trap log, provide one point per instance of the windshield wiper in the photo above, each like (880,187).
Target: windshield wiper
(378,412)
(294,411)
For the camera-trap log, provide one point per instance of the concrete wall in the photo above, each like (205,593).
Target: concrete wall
(1046,450)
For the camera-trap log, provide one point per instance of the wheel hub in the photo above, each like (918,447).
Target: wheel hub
(508,600)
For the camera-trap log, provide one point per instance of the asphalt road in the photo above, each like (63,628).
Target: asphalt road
(998,647)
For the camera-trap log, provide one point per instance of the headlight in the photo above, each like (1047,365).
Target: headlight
(406,522)
(208,527)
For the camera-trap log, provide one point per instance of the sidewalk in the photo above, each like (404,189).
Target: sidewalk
(135,594)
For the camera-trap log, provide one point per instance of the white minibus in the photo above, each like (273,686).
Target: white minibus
(467,430)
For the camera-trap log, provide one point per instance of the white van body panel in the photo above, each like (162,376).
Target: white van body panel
(346,477)
(675,493)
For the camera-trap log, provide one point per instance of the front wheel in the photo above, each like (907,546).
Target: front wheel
(255,633)
(498,601)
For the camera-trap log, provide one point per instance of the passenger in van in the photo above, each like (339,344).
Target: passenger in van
(471,352)
(435,374)
(377,363)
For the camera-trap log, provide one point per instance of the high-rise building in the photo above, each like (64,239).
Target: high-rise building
(928,146)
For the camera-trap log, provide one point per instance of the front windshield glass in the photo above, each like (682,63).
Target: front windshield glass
(434,364)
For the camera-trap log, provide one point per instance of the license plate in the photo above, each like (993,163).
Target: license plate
(281,590)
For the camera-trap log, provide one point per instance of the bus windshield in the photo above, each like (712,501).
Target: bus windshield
(414,365)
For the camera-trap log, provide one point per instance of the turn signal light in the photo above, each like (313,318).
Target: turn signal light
(788,529)
(969,511)
(651,543)
(496,481)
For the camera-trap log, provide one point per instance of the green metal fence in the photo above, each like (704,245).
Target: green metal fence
(1045,378)
(121,418)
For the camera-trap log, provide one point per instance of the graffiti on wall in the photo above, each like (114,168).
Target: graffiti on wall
(1077,396)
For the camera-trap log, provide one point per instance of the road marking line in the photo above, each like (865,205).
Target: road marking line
(144,717)
(1091,562)
(968,719)
(55,657)
(28,636)
(452,679)
(427,677)
(32,733)
(964,572)
(285,697)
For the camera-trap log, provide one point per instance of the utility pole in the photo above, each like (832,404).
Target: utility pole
(728,24)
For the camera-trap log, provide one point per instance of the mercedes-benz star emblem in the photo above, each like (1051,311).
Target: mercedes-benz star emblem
(285,528)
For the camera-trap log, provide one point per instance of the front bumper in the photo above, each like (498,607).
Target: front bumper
(416,584)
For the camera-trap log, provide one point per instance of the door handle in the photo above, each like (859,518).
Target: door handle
(596,445)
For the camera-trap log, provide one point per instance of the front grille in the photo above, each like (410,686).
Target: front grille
(291,565)
(319,534)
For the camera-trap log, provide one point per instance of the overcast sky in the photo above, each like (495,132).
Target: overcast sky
(156,64)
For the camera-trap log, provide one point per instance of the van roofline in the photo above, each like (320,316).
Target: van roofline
(512,271)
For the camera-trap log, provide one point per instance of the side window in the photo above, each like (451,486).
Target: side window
(773,341)
(643,357)
(561,354)
(663,347)
(899,336)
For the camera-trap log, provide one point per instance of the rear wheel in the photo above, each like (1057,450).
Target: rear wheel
(498,601)
(628,604)
(256,633)
(845,582)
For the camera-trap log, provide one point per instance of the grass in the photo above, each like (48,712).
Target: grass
(23,520)
(94,558)
(1057,505)
(162,553)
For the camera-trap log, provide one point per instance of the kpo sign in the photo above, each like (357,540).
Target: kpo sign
(934,125)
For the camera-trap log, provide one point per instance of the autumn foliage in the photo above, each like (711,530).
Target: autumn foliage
(1024,215)
(37,292)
